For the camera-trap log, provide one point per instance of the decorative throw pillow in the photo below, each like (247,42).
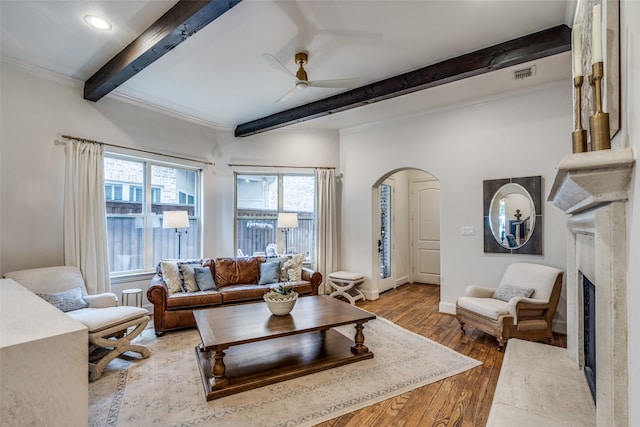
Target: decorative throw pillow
(171,276)
(67,300)
(269,272)
(505,293)
(187,277)
(291,269)
(204,279)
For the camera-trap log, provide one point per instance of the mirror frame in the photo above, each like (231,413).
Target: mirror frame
(533,185)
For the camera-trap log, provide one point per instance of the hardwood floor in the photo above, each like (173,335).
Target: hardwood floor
(462,400)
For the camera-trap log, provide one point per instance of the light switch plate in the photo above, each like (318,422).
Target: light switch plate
(468,230)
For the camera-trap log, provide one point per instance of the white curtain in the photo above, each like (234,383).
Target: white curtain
(85,224)
(326,230)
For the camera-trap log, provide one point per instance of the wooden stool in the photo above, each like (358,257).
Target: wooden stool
(344,284)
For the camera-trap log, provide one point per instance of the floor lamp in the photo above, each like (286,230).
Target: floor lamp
(287,221)
(176,219)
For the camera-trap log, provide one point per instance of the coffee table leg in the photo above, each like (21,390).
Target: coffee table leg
(359,348)
(219,379)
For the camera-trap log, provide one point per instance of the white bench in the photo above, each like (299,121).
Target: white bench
(345,284)
(539,385)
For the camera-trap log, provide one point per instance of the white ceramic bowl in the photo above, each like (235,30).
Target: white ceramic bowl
(281,308)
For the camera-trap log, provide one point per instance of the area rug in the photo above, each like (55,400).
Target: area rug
(166,389)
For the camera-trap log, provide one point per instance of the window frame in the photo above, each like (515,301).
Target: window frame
(280,206)
(147,216)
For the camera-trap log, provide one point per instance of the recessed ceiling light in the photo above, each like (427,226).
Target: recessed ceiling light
(97,22)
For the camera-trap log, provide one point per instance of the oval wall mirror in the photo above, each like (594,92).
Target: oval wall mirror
(512,216)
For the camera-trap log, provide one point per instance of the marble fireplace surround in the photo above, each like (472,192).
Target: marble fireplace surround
(592,188)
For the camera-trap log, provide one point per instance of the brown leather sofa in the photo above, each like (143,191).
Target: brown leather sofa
(236,281)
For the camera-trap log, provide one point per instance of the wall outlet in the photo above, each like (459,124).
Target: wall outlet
(468,230)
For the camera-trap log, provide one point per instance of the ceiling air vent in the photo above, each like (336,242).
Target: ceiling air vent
(524,73)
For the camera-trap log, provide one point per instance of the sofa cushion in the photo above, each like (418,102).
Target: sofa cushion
(269,272)
(506,292)
(233,271)
(183,300)
(291,268)
(171,276)
(66,300)
(488,307)
(204,279)
(187,275)
(237,293)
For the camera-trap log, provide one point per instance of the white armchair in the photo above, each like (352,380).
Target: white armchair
(108,324)
(522,306)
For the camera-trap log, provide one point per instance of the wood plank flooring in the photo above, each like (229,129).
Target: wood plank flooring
(462,400)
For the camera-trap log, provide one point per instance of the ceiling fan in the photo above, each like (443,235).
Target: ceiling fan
(301,79)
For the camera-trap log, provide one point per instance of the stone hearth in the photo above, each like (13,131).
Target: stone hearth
(593,189)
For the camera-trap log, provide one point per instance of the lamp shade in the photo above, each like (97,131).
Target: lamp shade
(175,219)
(287,220)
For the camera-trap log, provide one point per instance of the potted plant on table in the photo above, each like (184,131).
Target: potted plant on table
(281,300)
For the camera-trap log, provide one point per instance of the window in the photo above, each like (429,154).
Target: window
(259,198)
(135,193)
(185,199)
(113,191)
(136,239)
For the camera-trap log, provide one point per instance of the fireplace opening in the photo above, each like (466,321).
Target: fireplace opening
(589,292)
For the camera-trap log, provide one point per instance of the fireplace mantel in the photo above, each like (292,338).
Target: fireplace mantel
(586,180)
(593,189)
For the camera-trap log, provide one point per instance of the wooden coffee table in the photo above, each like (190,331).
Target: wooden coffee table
(245,346)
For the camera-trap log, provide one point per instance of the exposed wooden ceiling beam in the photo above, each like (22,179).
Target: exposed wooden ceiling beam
(524,49)
(179,23)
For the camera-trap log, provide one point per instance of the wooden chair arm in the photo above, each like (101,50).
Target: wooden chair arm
(518,307)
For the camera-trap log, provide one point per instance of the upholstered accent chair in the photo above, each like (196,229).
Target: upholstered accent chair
(111,327)
(522,306)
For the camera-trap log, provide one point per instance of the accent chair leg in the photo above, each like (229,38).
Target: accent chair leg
(118,346)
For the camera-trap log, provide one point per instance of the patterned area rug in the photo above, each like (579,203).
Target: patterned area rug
(166,390)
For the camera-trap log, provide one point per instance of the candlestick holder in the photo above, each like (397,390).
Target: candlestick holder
(579,134)
(599,121)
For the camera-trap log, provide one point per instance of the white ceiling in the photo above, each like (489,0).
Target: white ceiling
(218,76)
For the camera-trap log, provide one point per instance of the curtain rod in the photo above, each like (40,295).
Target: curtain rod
(75,138)
(233,165)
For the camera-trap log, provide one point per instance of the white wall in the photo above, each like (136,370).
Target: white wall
(519,135)
(37,105)
(630,137)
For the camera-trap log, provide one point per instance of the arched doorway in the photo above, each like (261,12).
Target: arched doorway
(406,229)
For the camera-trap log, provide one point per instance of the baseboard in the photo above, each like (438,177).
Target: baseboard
(447,307)
(369,294)
(401,281)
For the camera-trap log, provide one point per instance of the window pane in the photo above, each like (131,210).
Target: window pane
(175,185)
(298,193)
(125,236)
(125,222)
(258,192)
(257,212)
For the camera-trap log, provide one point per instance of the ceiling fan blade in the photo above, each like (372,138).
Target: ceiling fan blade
(287,95)
(274,63)
(339,83)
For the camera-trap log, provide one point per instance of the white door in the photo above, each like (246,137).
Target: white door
(386,273)
(425,231)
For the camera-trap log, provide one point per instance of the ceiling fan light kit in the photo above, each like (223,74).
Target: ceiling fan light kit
(301,78)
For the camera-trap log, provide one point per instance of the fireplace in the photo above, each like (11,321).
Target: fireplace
(592,188)
(589,333)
